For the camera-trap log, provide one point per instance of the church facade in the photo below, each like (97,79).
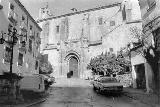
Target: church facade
(72,39)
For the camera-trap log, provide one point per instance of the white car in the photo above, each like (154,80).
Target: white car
(107,84)
(94,78)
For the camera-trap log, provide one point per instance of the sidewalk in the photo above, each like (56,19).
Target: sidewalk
(137,94)
(29,100)
(25,104)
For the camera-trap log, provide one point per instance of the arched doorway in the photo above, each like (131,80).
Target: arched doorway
(73,66)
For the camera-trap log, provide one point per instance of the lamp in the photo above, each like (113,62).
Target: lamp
(12,35)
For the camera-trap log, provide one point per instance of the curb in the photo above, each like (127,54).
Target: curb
(43,100)
(31,104)
(132,97)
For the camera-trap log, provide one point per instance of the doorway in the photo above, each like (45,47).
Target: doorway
(140,74)
(73,67)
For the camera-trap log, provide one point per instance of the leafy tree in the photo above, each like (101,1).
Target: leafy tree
(45,65)
(45,68)
(109,63)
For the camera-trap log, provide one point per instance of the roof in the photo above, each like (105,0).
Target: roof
(28,14)
(79,12)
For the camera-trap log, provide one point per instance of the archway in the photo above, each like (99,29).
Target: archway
(73,64)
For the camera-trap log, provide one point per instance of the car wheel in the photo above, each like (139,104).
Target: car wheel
(99,90)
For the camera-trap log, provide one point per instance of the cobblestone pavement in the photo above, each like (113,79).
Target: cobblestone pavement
(79,93)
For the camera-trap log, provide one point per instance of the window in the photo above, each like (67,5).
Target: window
(7,55)
(12,16)
(30,45)
(124,13)
(37,35)
(9,29)
(111,49)
(11,6)
(57,29)
(20,59)
(36,65)
(112,23)
(23,18)
(100,20)
(128,15)
(30,27)
(20,39)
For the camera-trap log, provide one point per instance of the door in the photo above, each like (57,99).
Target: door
(73,67)
(141,80)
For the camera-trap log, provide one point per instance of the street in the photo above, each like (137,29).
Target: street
(79,93)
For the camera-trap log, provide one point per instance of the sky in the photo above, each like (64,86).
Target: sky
(59,7)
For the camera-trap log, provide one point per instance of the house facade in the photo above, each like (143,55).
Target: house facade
(72,39)
(150,10)
(14,16)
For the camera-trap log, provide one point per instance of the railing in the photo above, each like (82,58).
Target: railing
(8,39)
(13,17)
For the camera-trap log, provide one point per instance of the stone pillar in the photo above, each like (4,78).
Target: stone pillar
(134,77)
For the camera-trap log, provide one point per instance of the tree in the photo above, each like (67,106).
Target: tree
(45,68)
(149,50)
(45,65)
(109,64)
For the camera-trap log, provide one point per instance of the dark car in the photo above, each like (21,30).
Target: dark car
(107,84)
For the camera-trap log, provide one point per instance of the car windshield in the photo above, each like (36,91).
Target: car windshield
(108,80)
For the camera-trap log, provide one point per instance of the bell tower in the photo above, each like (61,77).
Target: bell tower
(44,12)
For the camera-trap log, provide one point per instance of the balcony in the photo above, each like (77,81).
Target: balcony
(13,17)
(9,40)
(22,46)
(23,26)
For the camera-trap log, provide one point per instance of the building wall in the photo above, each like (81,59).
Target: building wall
(88,34)
(150,13)
(29,58)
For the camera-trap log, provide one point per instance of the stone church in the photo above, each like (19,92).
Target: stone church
(71,40)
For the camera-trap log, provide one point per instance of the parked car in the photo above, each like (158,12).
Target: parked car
(48,80)
(107,84)
(94,78)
